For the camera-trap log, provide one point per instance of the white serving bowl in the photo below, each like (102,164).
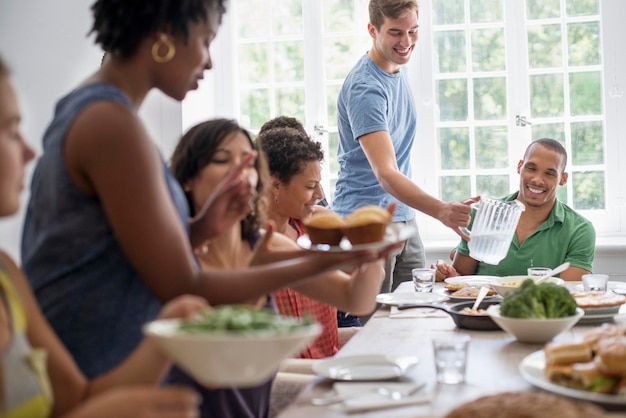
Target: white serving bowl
(219,359)
(536,331)
(502,285)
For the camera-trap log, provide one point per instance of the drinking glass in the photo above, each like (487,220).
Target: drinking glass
(423,279)
(538,271)
(451,358)
(594,282)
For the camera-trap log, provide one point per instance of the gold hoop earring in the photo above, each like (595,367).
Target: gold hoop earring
(156,46)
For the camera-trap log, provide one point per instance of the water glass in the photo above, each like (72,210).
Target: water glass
(595,282)
(424,279)
(538,271)
(451,358)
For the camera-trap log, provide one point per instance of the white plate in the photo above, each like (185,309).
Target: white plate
(364,367)
(399,298)
(395,233)
(532,369)
(442,291)
(471,280)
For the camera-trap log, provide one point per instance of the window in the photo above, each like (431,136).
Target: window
(487,76)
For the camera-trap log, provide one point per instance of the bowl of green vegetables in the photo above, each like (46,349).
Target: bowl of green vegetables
(232,345)
(536,313)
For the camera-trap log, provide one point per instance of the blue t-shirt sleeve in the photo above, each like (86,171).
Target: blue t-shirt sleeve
(367,109)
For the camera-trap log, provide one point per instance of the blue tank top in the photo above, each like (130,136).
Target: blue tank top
(94,299)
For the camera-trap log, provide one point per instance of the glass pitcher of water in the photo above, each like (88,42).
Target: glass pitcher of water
(493,229)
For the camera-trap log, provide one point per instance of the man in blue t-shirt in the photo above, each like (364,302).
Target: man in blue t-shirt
(377,125)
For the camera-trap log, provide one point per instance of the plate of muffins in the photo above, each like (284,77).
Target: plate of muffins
(368,227)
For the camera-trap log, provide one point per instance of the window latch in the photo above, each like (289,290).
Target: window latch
(522,121)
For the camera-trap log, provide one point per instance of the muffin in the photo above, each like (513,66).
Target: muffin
(366,224)
(325,228)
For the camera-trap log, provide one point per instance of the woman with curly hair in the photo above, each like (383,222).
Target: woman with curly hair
(108,236)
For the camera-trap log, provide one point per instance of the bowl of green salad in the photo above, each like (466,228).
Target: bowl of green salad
(233,345)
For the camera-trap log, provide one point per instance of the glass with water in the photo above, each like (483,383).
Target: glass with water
(451,358)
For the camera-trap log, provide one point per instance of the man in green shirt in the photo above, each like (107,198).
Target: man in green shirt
(548,233)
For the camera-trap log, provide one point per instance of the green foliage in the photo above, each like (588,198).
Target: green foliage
(531,301)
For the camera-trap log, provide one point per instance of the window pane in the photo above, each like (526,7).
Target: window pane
(561,194)
(289,61)
(454,148)
(546,95)
(549,130)
(331,160)
(448,12)
(452,99)
(587,143)
(582,7)
(332,92)
(488,50)
(450,51)
(542,9)
(544,46)
(588,190)
(492,147)
(255,110)
(254,62)
(584,43)
(339,56)
(586,93)
(486,11)
(252,25)
(290,101)
(490,98)
(338,15)
(492,186)
(455,188)
(287,16)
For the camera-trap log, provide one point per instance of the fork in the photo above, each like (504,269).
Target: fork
(392,394)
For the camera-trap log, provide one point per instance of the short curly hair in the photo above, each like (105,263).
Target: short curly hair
(287,151)
(120,25)
(196,149)
(283,121)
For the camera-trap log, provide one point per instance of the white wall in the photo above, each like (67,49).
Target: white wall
(46,45)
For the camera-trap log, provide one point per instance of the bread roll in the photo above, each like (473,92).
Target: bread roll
(325,228)
(367,224)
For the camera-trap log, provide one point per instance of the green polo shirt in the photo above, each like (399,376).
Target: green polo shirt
(564,236)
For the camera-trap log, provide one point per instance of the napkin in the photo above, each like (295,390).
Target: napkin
(416,313)
(370,400)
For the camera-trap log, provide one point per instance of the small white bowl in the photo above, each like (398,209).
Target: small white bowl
(537,331)
(502,285)
(220,359)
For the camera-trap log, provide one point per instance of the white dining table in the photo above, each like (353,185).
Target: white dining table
(492,365)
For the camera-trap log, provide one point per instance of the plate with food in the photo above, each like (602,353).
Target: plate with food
(364,367)
(598,306)
(533,370)
(466,287)
(404,298)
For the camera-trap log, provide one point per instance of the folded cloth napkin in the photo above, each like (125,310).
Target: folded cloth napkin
(416,313)
(369,400)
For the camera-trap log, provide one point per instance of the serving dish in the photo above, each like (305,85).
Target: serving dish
(220,359)
(504,284)
(394,234)
(465,321)
(532,369)
(364,367)
(534,330)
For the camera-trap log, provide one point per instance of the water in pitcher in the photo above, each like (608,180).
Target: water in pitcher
(489,248)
